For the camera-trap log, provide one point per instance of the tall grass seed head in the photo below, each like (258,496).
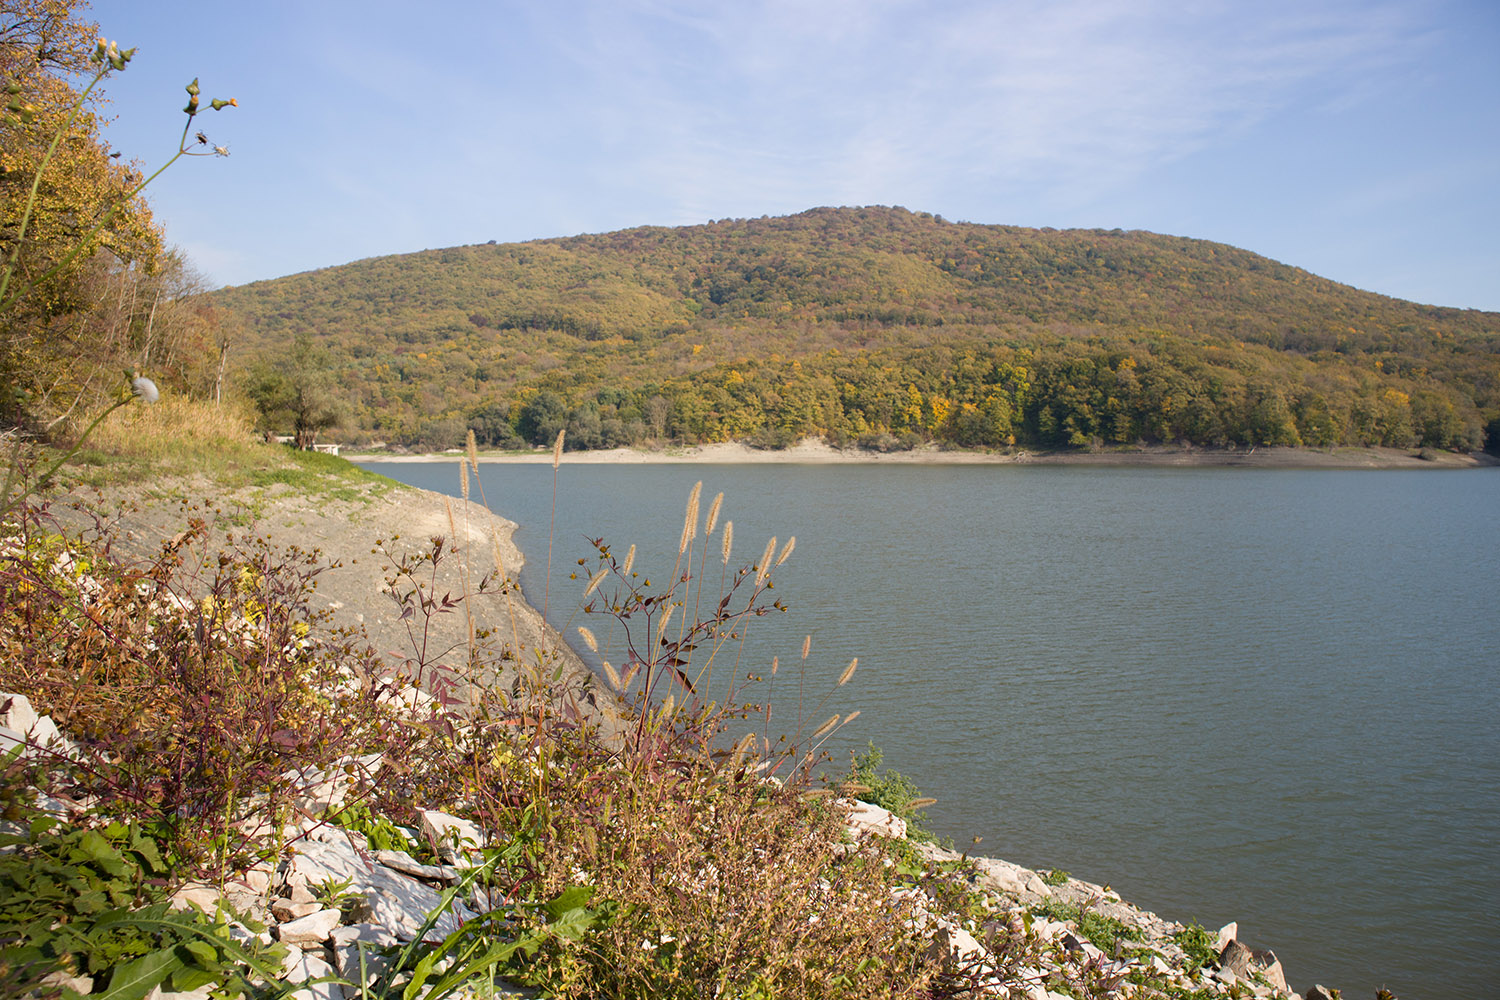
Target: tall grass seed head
(690,520)
(765,562)
(848,672)
(713,514)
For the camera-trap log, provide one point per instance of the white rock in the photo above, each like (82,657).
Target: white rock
(196,894)
(398,903)
(1012,880)
(1275,975)
(447,830)
(312,929)
(257,880)
(866,819)
(953,945)
(244,935)
(300,967)
(83,984)
(20,724)
(406,864)
(201,993)
(285,909)
(346,949)
(16,712)
(1229,932)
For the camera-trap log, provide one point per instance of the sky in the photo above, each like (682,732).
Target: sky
(1358,139)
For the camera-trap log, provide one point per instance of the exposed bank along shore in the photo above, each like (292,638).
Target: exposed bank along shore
(817,452)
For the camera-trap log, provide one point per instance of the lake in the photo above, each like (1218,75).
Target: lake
(1257,695)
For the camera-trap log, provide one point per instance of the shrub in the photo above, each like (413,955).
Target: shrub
(204,694)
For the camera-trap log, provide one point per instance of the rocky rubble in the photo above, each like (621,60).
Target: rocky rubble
(332,896)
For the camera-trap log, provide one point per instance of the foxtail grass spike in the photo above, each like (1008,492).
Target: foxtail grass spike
(557,449)
(728,543)
(826,727)
(765,562)
(690,521)
(786,550)
(471,446)
(806,646)
(587,635)
(848,672)
(713,514)
(629,560)
(594,582)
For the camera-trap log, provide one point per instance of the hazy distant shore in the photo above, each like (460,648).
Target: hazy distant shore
(817,453)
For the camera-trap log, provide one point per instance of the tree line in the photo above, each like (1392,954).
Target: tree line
(880,326)
(88,286)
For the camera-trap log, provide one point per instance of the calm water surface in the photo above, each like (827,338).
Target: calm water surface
(1258,695)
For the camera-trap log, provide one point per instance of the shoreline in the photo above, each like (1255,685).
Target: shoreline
(816,452)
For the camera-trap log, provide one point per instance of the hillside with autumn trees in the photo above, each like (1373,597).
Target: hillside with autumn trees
(88,285)
(877,326)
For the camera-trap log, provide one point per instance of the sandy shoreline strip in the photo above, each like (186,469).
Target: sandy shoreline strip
(814,452)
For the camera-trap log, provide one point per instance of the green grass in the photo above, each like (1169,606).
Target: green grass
(1103,932)
(185,439)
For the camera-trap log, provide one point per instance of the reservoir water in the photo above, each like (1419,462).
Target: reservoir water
(1257,695)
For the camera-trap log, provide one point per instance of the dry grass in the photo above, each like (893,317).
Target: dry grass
(703,875)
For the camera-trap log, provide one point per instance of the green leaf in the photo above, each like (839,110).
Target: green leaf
(569,899)
(90,902)
(95,848)
(187,979)
(200,952)
(135,978)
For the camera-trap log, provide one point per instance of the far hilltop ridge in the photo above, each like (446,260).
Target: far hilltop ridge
(877,327)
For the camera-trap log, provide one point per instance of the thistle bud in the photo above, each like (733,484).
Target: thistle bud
(192,88)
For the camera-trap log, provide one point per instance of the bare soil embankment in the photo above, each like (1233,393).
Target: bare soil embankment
(359,538)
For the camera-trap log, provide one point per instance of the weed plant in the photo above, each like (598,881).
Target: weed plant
(209,704)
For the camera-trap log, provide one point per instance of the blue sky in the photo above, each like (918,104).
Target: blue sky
(1359,139)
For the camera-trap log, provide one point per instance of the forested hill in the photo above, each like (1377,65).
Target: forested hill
(872,324)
